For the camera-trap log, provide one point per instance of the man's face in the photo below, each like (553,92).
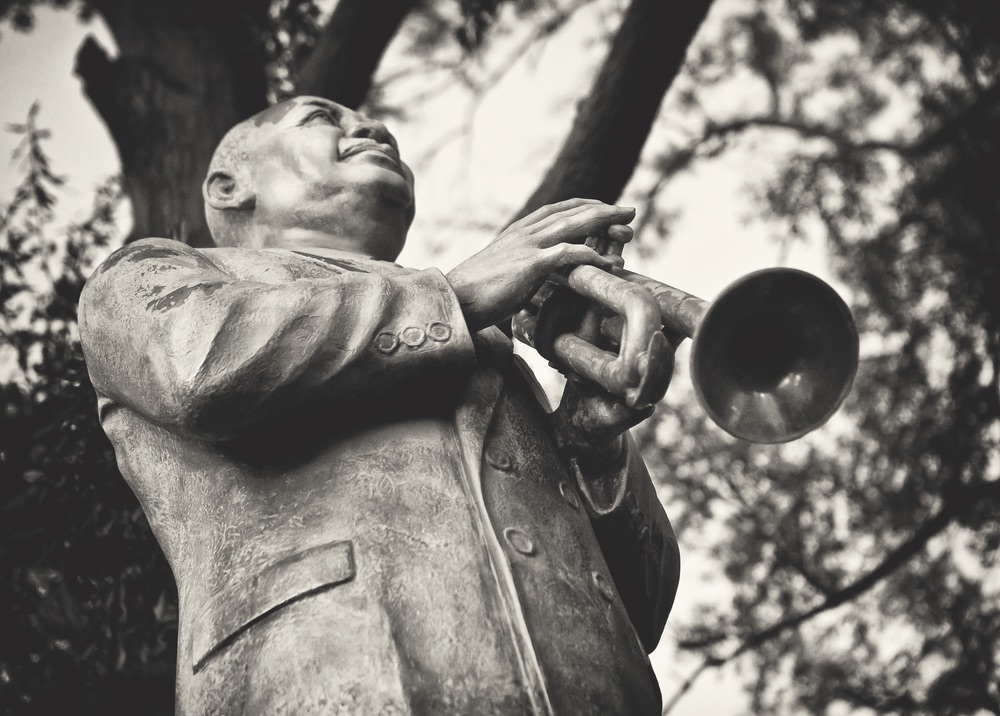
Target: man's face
(322,168)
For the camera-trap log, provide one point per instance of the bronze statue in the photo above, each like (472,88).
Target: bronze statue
(366,508)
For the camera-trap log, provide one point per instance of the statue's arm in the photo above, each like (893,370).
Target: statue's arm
(633,531)
(172,335)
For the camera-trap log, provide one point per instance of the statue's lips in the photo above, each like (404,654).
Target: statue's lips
(380,154)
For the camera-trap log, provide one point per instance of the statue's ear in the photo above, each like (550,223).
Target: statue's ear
(223,191)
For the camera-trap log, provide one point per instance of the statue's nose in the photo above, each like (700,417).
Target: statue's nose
(370,129)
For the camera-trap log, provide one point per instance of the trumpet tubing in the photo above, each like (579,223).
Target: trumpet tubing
(772,358)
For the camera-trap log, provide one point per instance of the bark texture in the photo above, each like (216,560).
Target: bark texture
(184,74)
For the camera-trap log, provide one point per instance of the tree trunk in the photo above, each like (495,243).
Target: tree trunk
(188,71)
(602,149)
(184,76)
(349,49)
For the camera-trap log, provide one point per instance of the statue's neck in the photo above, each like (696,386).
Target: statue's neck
(329,245)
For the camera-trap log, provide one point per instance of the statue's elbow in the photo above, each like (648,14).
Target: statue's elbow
(202,407)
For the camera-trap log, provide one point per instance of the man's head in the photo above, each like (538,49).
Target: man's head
(305,173)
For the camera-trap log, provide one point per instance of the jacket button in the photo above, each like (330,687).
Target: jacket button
(413,336)
(519,541)
(499,459)
(386,342)
(602,585)
(438,331)
(569,495)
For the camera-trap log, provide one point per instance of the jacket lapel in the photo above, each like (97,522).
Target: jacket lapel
(473,419)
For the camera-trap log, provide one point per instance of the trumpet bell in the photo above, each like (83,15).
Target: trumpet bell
(774,355)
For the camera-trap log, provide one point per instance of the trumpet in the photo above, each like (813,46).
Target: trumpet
(772,358)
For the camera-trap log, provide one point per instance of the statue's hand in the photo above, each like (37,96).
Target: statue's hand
(589,425)
(500,280)
(590,420)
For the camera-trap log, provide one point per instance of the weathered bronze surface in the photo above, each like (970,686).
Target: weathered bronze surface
(364,504)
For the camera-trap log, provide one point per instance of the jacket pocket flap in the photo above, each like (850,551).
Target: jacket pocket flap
(233,609)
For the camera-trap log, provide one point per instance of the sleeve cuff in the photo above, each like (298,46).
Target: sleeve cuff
(603,477)
(428,323)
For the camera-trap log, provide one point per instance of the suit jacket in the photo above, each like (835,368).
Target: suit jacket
(361,502)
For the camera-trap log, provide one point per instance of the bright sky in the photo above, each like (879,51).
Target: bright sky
(484,178)
(39,66)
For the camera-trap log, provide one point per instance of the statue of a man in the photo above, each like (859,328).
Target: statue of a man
(365,507)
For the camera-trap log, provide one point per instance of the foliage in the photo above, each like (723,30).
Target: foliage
(292,35)
(864,561)
(860,561)
(21,14)
(88,602)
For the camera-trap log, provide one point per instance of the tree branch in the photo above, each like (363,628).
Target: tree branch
(610,129)
(100,75)
(892,561)
(175,88)
(803,128)
(349,49)
(945,133)
(479,87)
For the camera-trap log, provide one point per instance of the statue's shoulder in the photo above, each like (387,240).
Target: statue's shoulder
(159,252)
(265,264)
(279,264)
(145,252)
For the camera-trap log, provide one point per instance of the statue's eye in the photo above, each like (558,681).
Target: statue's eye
(320,115)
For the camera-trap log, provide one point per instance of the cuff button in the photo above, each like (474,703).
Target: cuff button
(499,459)
(439,332)
(413,336)
(386,342)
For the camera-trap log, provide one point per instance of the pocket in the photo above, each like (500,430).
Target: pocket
(235,608)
